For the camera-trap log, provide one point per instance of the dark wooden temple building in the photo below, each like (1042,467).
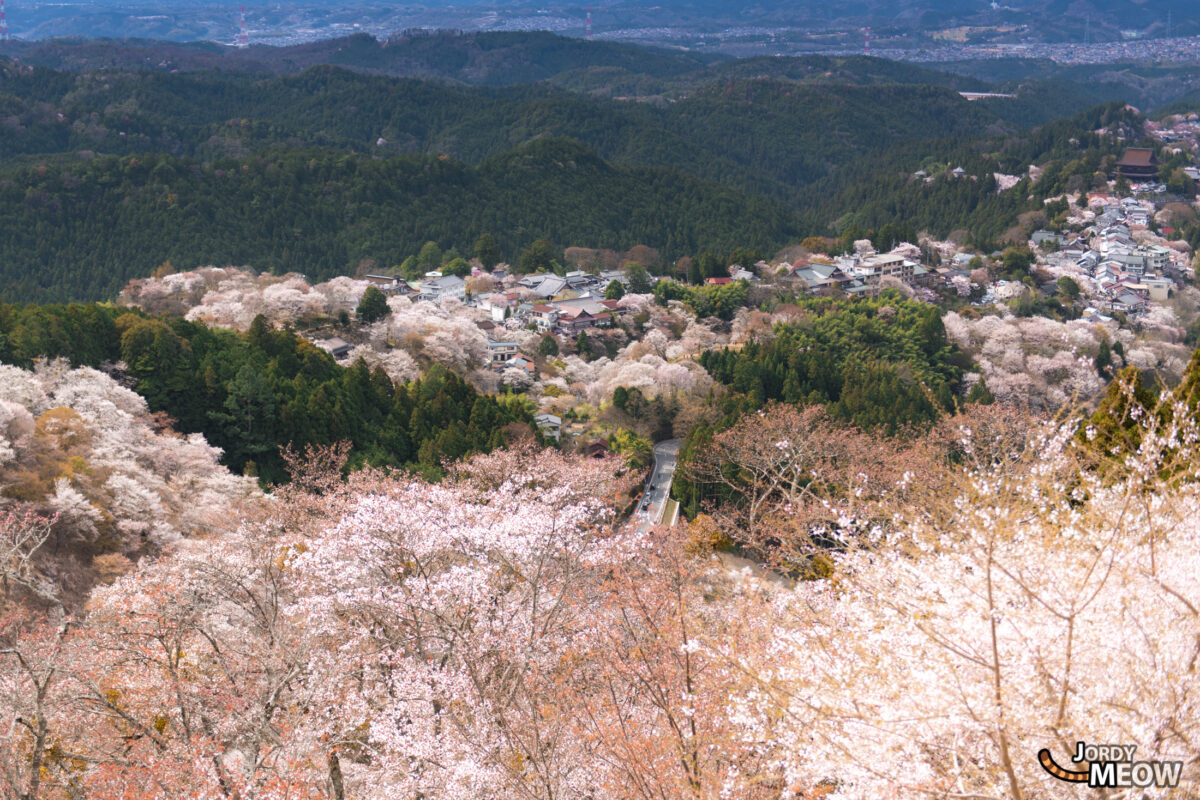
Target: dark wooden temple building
(1138,164)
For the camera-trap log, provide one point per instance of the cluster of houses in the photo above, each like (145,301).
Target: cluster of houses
(435,286)
(557,303)
(1178,133)
(854,274)
(560,304)
(1129,275)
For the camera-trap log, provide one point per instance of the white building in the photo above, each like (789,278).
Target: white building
(448,286)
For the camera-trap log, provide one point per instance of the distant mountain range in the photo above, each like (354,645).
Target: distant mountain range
(763,126)
(711,24)
(616,70)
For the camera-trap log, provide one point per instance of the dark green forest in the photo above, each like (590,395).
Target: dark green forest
(81,230)
(869,194)
(757,134)
(254,393)
(882,365)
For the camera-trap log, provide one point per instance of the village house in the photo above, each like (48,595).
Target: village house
(1090,314)
(544,285)
(608,276)
(440,288)
(388,284)
(1159,289)
(1128,301)
(1047,239)
(872,268)
(1157,257)
(544,316)
(337,347)
(614,307)
(501,305)
(822,278)
(578,315)
(500,353)
(549,424)
(521,363)
(578,279)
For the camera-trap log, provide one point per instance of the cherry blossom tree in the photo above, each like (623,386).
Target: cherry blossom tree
(449,611)
(86,453)
(793,475)
(1040,363)
(35,722)
(22,533)
(1026,605)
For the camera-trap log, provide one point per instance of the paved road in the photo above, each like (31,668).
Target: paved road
(658,489)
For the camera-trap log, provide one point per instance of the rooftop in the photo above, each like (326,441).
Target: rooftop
(1138,157)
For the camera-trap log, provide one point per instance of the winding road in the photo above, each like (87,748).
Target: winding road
(650,509)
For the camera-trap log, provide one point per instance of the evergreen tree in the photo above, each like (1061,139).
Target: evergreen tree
(981,394)
(548,346)
(487,251)
(583,345)
(639,279)
(373,306)
(430,258)
(1116,425)
(538,257)
(248,417)
(614,291)
(1103,361)
(711,266)
(1068,288)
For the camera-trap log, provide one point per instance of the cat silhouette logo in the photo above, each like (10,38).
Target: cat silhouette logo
(1111,766)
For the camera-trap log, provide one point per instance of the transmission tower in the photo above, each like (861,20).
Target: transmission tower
(3,22)
(588,30)
(243,39)
(867,40)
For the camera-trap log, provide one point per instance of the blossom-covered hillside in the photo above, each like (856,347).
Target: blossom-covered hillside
(111,480)
(504,634)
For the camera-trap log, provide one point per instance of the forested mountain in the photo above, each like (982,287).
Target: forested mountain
(871,193)
(1144,85)
(757,134)
(105,174)
(596,66)
(82,229)
(479,58)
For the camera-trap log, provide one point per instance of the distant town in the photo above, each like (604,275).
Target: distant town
(1033,32)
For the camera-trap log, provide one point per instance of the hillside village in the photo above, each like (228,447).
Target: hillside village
(568,339)
(1101,280)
